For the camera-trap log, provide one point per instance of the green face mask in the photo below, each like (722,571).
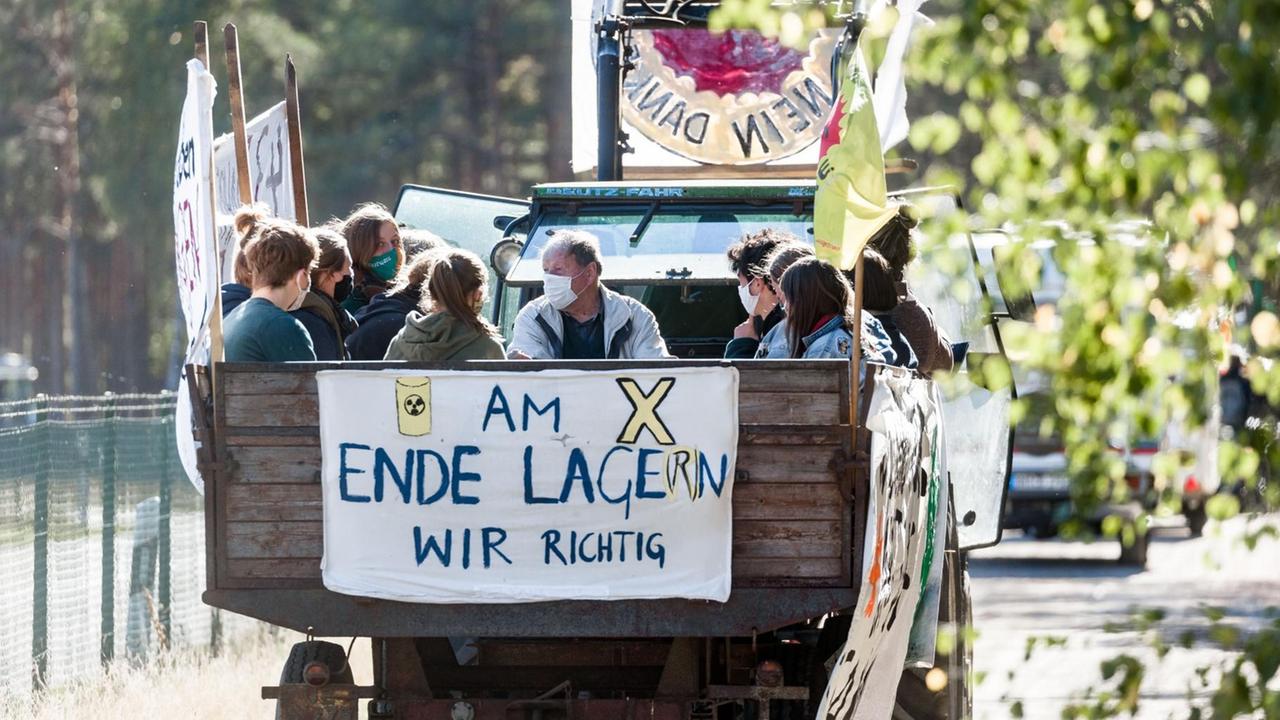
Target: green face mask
(384,265)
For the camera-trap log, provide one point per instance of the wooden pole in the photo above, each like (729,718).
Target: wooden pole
(856,363)
(295,142)
(240,140)
(202,42)
(215,322)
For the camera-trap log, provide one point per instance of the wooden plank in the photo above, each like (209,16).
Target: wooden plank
(263,569)
(788,408)
(283,464)
(291,382)
(274,503)
(835,435)
(274,411)
(770,408)
(282,382)
(787,539)
(753,380)
(764,463)
(780,569)
(295,439)
(274,539)
(786,501)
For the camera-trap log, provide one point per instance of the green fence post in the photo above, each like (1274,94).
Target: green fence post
(40,547)
(166,502)
(109,533)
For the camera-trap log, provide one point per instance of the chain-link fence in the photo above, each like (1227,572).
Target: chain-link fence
(101,540)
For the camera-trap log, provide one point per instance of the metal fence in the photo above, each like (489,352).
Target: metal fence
(101,540)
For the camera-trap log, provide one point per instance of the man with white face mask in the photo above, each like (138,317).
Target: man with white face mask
(280,256)
(749,258)
(578,318)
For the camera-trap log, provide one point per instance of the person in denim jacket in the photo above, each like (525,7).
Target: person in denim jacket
(819,305)
(876,343)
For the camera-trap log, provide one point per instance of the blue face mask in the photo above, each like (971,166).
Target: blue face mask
(384,265)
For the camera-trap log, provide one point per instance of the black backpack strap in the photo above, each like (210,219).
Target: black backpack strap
(557,342)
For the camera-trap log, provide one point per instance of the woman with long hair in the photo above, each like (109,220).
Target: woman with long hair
(321,312)
(448,326)
(377,253)
(819,306)
(896,242)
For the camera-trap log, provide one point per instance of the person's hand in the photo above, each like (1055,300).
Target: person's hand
(747,329)
(517,355)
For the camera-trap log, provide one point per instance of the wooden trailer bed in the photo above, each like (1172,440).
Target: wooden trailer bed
(798,504)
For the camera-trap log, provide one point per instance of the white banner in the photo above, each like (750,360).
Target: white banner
(193,250)
(903,424)
(466,487)
(270,176)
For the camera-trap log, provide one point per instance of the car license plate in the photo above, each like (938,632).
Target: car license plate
(1041,482)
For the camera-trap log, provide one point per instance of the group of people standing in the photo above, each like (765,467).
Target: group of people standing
(362,288)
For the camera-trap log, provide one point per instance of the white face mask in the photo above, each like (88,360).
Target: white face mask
(302,295)
(749,301)
(559,289)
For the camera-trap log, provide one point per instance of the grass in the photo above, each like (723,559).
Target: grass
(192,685)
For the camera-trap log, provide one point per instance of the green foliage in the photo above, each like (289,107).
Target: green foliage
(1135,144)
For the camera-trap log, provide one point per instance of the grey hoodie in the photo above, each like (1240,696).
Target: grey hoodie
(441,337)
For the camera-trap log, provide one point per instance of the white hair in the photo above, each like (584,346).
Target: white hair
(582,245)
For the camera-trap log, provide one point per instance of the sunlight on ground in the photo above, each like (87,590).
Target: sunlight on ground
(192,686)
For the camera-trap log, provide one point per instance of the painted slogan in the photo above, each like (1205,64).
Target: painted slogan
(451,487)
(733,98)
(270,179)
(903,421)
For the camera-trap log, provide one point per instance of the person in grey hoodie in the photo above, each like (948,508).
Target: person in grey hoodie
(448,327)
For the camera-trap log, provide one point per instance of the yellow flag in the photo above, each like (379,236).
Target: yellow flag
(851,201)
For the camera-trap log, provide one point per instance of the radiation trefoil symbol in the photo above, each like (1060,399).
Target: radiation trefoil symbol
(413,406)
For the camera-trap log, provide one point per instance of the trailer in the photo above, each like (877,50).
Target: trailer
(845,518)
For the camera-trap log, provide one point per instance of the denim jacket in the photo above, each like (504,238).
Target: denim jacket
(832,340)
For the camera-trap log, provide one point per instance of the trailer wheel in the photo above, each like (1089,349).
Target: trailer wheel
(305,653)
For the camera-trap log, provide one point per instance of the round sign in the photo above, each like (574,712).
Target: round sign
(731,98)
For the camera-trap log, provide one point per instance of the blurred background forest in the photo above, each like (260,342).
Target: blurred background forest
(470,95)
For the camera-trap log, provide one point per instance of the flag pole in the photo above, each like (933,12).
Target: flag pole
(294,120)
(235,94)
(202,42)
(215,322)
(854,388)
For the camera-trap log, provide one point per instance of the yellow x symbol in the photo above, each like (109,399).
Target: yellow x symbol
(645,414)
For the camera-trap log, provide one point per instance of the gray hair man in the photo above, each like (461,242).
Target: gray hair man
(578,318)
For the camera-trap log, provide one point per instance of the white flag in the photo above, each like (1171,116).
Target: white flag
(194,251)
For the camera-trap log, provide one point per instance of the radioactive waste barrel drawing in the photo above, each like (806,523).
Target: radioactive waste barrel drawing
(413,406)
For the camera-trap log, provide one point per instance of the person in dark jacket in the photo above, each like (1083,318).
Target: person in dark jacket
(749,258)
(448,327)
(377,253)
(880,298)
(895,242)
(280,256)
(321,314)
(384,316)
